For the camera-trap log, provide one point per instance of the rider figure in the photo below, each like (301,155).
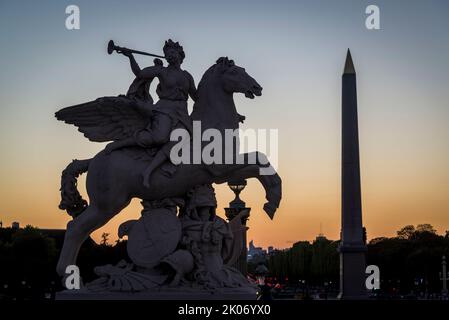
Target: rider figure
(174,88)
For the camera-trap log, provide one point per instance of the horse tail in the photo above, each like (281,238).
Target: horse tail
(71,199)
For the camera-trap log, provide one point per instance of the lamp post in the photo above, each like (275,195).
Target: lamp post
(444,277)
(236,206)
(261,273)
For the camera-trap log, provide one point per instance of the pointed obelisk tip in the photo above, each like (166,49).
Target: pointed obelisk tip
(349,65)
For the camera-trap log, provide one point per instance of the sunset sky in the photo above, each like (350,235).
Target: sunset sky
(295,50)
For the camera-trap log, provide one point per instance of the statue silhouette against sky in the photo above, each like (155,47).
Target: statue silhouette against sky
(174,88)
(135,164)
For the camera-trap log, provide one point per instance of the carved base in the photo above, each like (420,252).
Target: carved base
(222,294)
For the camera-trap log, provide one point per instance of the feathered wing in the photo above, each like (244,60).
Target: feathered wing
(107,118)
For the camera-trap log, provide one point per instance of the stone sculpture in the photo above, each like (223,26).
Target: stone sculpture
(179,242)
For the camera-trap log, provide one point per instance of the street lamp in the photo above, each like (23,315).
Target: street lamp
(237,186)
(444,276)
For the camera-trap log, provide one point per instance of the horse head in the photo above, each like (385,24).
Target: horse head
(216,90)
(236,80)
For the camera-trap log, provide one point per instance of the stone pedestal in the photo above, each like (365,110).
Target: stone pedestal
(352,273)
(241,263)
(166,294)
(237,206)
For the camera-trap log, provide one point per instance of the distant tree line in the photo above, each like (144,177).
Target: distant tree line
(316,262)
(409,262)
(28,260)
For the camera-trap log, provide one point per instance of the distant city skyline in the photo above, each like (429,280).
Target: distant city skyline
(295,50)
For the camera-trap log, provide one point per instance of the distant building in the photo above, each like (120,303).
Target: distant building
(15,225)
(320,237)
(255,252)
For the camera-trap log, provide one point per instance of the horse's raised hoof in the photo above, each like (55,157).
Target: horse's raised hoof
(270,209)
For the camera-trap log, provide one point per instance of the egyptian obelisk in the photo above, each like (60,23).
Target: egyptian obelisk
(352,247)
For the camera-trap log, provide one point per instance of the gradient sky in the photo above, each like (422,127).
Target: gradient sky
(295,50)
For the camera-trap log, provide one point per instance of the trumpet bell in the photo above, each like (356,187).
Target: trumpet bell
(111,46)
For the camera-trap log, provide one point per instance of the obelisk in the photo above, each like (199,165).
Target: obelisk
(352,247)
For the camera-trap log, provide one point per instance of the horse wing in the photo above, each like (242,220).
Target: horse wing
(107,118)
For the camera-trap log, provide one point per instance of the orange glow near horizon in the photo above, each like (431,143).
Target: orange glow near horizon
(386,207)
(295,50)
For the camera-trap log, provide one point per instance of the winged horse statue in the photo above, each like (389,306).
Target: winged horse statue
(115,178)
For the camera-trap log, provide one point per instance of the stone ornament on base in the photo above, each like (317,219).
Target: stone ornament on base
(156,234)
(188,256)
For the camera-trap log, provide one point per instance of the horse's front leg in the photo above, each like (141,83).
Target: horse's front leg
(78,230)
(253,167)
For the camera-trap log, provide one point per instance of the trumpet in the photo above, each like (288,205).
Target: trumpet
(112,47)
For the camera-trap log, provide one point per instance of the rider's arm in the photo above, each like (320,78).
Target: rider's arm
(134,66)
(149,73)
